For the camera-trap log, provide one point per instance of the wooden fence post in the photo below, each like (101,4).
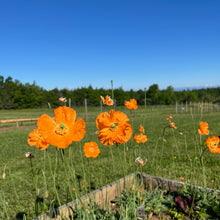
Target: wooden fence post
(145,97)
(101,105)
(176,107)
(70,102)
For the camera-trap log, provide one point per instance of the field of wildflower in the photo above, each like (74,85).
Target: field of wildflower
(65,156)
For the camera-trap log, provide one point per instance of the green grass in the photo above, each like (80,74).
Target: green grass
(31,187)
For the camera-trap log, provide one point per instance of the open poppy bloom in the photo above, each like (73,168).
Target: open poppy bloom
(107,100)
(132,104)
(142,129)
(91,149)
(172,125)
(114,128)
(213,144)
(36,139)
(140,138)
(203,130)
(64,129)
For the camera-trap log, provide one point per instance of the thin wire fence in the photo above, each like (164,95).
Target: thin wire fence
(89,112)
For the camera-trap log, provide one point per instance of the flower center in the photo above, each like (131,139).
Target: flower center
(61,129)
(113,126)
(91,149)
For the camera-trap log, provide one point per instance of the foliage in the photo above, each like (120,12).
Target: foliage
(52,179)
(15,95)
(186,203)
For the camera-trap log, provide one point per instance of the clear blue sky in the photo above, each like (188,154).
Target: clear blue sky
(136,43)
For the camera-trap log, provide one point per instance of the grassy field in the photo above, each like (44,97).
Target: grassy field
(31,187)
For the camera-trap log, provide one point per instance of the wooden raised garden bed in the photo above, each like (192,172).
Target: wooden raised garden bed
(105,195)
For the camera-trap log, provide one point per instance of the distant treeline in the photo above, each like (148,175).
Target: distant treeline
(15,95)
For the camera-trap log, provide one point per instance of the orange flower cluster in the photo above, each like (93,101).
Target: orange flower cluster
(169,118)
(91,149)
(172,124)
(203,130)
(141,138)
(213,144)
(132,104)
(114,128)
(60,132)
(107,100)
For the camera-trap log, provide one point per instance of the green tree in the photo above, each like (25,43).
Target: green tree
(153,93)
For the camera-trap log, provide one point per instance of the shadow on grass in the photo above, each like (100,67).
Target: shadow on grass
(21,215)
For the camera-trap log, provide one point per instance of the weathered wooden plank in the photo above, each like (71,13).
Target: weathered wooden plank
(106,194)
(19,119)
(103,196)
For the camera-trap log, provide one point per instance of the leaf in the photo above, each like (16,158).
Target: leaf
(182,203)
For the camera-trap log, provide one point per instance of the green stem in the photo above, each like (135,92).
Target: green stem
(32,170)
(164,130)
(200,157)
(54,177)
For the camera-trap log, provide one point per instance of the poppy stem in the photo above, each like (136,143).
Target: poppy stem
(200,157)
(164,130)
(61,153)
(32,170)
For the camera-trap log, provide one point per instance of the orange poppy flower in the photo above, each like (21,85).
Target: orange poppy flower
(35,138)
(203,130)
(132,104)
(172,125)
(182,178)
(169,118)
(91,149)
(114,128)
(140,138)
(107,100)
(214,144)
(142,129)
(64,129)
